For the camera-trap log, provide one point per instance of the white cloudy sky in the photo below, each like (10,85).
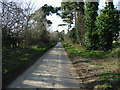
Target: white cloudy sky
(56,19)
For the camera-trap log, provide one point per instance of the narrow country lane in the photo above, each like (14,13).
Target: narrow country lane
(52,70)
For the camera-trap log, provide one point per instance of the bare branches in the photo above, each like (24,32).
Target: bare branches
(15,19)
(20,26)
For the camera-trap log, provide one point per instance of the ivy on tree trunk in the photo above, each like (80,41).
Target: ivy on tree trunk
(90,27)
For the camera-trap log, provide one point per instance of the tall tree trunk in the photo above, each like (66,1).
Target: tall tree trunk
(79,23)
(75,15)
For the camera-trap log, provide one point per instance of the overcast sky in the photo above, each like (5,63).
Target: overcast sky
(56,19)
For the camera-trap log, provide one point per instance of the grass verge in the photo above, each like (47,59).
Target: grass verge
(15,58)
(90,54)
(96,69)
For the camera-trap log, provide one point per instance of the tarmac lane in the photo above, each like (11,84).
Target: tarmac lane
(52,70)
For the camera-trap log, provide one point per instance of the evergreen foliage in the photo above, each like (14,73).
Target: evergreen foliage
(107,28)
(72,13)
(90,27)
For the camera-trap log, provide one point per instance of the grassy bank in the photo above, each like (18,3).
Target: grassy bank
(16,60)
(96,69)
(16,57)
(80,51)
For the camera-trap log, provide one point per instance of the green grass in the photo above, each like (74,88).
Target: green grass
(107,80)
(110,80)
(91,54)
(16,57)
(108,75)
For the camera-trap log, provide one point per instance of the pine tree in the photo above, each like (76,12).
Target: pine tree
(107,27)
(91,37)
(73,13)
(79,22)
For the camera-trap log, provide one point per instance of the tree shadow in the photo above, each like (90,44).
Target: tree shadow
(53,71)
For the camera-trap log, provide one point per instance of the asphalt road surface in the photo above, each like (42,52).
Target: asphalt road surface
(52,70)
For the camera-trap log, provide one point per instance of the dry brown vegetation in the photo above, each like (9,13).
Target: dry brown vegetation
(96,69)
(92,71)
